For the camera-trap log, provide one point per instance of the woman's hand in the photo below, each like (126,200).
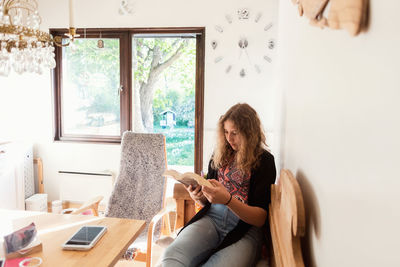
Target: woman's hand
(196,193)
(219,195)
(216,194)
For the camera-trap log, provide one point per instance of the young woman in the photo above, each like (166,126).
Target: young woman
(227,230)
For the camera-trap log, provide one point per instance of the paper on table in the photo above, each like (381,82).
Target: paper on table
(20,239)
(22,242)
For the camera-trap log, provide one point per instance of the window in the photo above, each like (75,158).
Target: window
(146,80)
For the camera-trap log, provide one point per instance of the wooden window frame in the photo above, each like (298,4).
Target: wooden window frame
(125,35)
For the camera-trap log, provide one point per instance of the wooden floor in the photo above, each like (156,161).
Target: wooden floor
(124,263)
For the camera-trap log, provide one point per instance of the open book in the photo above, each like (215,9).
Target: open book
(187,178)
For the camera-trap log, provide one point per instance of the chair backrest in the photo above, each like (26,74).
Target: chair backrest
(91,205)
(287,221)
(139,188)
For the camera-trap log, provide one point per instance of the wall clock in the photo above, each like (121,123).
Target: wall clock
(244,42)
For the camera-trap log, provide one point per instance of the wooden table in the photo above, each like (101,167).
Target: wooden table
(55,229)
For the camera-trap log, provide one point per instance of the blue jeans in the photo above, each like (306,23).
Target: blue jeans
(196,242)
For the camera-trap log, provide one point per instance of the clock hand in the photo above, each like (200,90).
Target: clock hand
(248,57)
(247,54)
(243,43)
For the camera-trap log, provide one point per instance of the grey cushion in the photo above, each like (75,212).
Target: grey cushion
(139,188)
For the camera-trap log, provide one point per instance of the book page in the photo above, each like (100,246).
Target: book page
(200,180)
(188,178)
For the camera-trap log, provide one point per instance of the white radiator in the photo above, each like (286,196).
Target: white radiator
(77,187)
(16,175)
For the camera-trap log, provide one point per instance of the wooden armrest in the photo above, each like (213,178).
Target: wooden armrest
(158,216)
(92,204)
(68,211)
(180,192)
(167,209)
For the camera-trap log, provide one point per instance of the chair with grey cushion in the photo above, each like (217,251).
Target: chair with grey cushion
(139,190)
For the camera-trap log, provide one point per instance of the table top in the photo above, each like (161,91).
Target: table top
(55,229)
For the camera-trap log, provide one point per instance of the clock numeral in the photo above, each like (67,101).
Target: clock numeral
(214,44)
(218,59)
(219,29)
(228,69)
(243,13)
(242,73)
(258,17)
(228,18)
(267,58)
(271,44)
(269,26)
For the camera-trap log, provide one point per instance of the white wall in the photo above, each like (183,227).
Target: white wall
(26,101)
(341,134)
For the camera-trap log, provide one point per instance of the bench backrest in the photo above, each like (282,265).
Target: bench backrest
(287,221)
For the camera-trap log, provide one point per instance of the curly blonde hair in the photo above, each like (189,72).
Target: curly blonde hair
(248,124)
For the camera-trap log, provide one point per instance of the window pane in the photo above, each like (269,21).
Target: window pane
(165,93)
(91,78)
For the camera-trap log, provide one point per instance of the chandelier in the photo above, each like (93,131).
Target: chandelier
(23,47)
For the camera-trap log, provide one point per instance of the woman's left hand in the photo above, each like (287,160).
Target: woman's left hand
(216,194)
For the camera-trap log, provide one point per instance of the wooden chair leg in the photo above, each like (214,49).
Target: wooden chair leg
(140,256)
(180,213)
(39,163)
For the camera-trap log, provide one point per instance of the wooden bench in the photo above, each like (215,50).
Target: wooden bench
(286,217)
(287,221)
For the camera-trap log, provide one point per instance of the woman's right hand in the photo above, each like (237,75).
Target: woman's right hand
(196,194)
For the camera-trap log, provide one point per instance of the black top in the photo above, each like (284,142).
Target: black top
(262,177)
